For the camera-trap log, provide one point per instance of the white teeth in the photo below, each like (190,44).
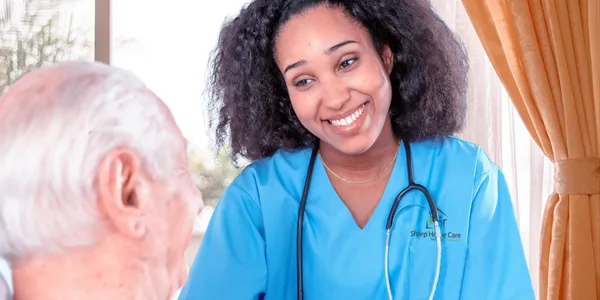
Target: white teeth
(349,119)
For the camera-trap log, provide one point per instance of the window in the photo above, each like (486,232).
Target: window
(168,46)
(39,33)
(493,123)
(169,50)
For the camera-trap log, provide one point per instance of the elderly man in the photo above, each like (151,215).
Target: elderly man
(96,199)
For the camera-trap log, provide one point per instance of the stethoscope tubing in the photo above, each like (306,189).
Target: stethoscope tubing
(389,224)
(307,182)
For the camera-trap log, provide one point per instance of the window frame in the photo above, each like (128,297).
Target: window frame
(102,31)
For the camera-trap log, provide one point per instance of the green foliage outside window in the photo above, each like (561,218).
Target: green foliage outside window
(212,180)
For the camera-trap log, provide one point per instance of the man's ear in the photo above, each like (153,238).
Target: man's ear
(388,58)
(119,183)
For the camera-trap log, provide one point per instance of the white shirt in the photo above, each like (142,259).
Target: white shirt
(5,279)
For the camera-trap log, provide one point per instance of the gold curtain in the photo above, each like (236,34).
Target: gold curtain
(547,55)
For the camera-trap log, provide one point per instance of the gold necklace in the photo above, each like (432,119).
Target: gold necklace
(365,181)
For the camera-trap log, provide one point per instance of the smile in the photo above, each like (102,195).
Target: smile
(349,119)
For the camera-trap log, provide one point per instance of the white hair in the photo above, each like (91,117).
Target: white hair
(52,140)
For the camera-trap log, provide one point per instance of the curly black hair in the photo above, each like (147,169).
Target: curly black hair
(249,103)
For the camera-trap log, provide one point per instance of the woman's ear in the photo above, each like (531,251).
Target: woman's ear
(119,180)
(388,58)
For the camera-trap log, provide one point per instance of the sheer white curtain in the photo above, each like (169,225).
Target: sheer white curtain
(493,124)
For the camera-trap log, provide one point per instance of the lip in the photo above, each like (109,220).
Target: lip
(344,114)
(353,128)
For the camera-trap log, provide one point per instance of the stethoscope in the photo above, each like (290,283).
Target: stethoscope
(390,221)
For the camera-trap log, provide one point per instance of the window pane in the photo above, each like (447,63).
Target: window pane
(168,47)
(169,50)
(42,33)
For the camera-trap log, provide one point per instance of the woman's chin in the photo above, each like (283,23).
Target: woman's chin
(351,147)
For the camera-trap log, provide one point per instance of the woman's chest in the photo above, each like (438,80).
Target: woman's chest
(342,261)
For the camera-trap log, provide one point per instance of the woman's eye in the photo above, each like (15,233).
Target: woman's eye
(347,63)
(302,82)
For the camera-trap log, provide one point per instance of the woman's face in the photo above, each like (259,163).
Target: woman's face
(338,82)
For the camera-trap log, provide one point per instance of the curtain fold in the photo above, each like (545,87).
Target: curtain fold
(546,53)
(493,124)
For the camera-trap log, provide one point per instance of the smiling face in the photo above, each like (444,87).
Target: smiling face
(337,81)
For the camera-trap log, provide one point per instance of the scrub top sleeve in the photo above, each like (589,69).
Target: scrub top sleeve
(230,263)
(495,266)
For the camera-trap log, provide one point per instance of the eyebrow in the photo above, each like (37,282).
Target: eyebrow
(327,51)
(338,46)
(294,65)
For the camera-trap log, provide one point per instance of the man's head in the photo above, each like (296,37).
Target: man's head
(93,163)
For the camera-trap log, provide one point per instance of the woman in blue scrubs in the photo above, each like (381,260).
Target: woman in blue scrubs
(361,79)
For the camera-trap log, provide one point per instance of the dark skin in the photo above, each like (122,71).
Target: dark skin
(333,71)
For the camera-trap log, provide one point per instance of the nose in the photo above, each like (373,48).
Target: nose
(335,94)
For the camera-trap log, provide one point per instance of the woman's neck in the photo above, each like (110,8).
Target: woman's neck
(367,164)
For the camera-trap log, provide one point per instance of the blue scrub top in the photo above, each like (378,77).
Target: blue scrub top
(249,249)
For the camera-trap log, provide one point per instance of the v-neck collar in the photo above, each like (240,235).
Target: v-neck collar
(324,192)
